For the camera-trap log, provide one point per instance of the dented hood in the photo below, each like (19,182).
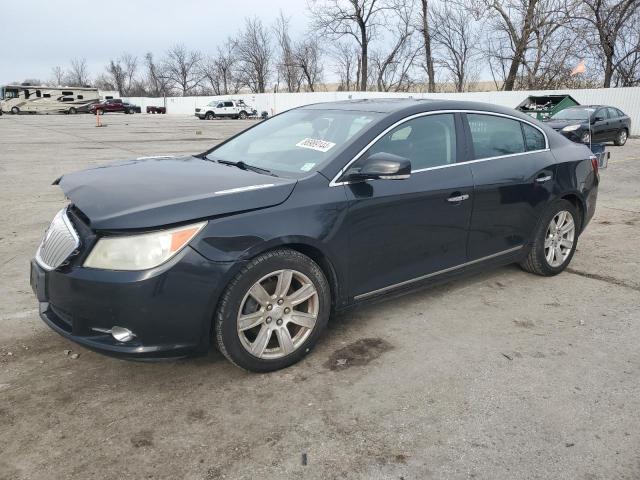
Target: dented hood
(152,192)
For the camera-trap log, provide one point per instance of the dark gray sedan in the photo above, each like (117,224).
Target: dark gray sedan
(592,124)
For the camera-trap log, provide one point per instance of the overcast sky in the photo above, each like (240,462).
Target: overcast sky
(37,35)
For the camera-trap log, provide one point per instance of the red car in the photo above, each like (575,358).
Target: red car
(113,105)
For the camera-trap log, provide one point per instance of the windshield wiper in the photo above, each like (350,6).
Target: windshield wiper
(245,166)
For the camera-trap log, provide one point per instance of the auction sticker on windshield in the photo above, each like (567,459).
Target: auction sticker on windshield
(315,144)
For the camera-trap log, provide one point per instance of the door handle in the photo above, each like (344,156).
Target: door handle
(458,198)
(543,179)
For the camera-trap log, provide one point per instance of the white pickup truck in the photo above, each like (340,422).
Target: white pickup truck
(225,109)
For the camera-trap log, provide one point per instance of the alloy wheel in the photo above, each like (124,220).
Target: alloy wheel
(278,314)
(586,137)
(559,238)
(622,137)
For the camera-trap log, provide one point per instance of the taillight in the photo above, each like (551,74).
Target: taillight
(594,164)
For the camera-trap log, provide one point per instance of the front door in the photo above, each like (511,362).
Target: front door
(401,230)
(600,128)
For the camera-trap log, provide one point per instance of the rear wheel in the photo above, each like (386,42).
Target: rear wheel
(15,110)
(131,111)
(621,137)
(554,241)
(273,312)
(242,115)
(209,116)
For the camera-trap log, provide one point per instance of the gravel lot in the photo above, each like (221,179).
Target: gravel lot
(503,375)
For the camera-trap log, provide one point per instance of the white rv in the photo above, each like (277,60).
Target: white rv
(41,99)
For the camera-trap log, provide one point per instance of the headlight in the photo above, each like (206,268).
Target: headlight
(571,128)
(143,251)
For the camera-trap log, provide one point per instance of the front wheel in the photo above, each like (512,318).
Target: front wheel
(273,312)
(621,138)
(554,241)
(209,116)
(15,110)
(586,137)
(242,115)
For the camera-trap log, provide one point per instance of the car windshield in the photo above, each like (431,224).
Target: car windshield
(573,114)
(296,142)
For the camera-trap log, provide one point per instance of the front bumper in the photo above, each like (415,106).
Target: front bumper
(169,309)
(200,115)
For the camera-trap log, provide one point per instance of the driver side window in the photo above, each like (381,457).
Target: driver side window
(428,141)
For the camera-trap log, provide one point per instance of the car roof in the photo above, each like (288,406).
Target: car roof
(410,106)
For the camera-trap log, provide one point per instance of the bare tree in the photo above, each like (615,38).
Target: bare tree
(392,67)
(456,40)
(158,80)
(425,30)
(347,64)
(182,68)
(58,76)
(130,67)
(255,52)
(115,76)
(628,67)
(308,56)
(608,19)
(355,19)
(288,67)
(512,26)
(220,71)
(78,74)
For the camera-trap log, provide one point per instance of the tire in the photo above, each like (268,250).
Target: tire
(15,111)
(537,260)
(621,137)
(210,116)
(72,111)
(131,111)
(242,115)
(585,137)
(270,320)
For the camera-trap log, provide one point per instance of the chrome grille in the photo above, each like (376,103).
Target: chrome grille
(60,240)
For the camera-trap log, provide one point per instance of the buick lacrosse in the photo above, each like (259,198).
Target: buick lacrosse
(253,244)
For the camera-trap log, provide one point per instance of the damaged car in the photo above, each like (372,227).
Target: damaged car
(254,244)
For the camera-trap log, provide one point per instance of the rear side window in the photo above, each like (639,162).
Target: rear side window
(494,136)
(428,141)
(533,138)
(228,104)
(613,113)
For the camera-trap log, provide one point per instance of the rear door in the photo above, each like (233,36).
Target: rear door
(513,175)
(616,122)
(402,230)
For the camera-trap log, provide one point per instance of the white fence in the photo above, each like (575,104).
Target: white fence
(626,99)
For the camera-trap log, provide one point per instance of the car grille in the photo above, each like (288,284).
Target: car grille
(197,110)
(59,242)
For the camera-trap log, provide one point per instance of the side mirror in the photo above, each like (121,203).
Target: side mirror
(381,166)
(597,119)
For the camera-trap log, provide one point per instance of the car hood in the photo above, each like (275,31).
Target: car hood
(151,192)
(560,124)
